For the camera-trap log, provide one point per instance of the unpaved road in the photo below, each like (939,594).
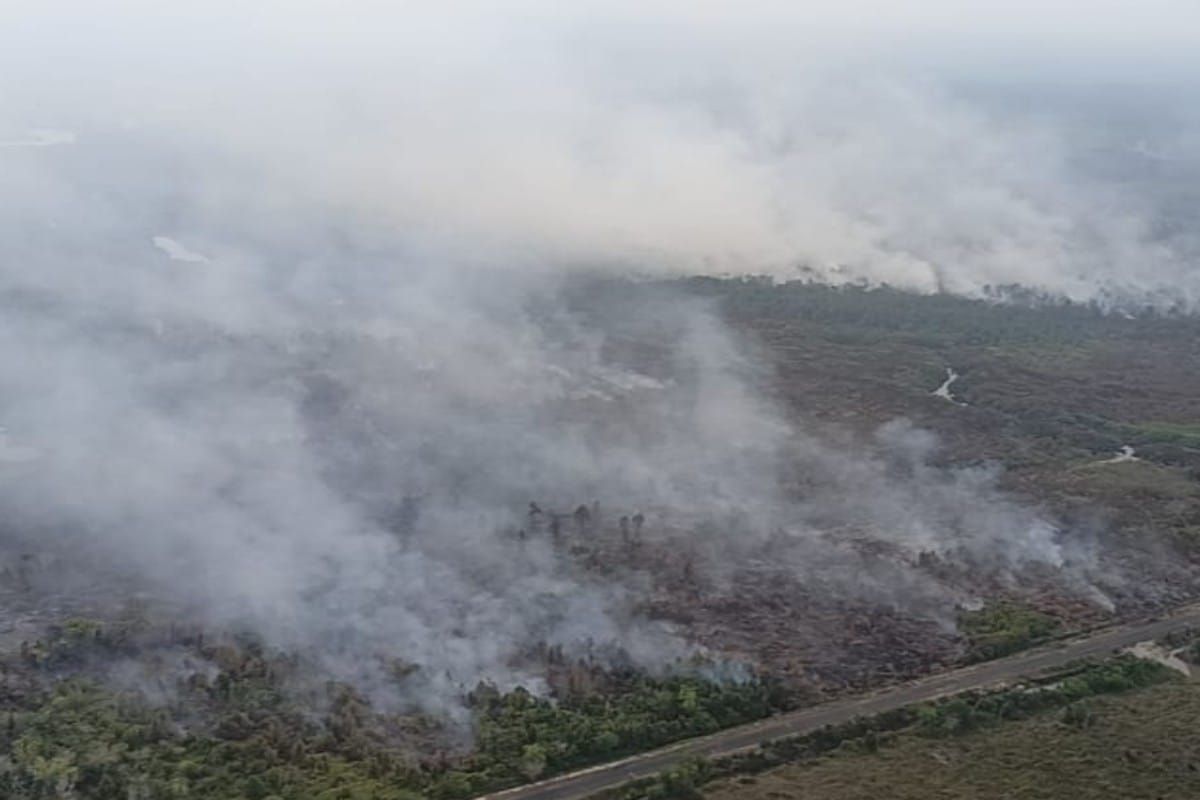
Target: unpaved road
(575,785)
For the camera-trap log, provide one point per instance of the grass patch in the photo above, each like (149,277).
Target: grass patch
(1183,434)
(999,629)
(1139,482)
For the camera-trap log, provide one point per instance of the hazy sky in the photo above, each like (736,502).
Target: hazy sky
(943,145)
(1155,32)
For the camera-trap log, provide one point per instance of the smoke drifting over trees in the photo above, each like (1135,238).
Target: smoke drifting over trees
(727,141)
(293,336)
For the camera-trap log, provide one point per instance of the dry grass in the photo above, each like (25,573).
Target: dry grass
(1144,744)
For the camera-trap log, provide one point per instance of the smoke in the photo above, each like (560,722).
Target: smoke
(783,142)
(300,316)
(351,479)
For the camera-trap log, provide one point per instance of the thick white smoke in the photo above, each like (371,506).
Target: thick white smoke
(348,471)
(784,142)
(294,327)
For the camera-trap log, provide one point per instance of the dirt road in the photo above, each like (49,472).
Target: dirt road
(585,782)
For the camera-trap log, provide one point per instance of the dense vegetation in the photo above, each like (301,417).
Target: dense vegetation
(243,736)
(998,629)
(960,715)
(866,313)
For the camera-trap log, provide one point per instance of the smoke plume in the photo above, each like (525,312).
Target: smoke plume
(301,315)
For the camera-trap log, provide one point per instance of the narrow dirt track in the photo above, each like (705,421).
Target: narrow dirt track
(583,783)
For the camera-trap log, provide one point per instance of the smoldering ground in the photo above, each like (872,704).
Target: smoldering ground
(354,481)
(296,327)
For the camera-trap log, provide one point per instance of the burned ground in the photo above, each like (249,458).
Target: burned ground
(1049,394)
